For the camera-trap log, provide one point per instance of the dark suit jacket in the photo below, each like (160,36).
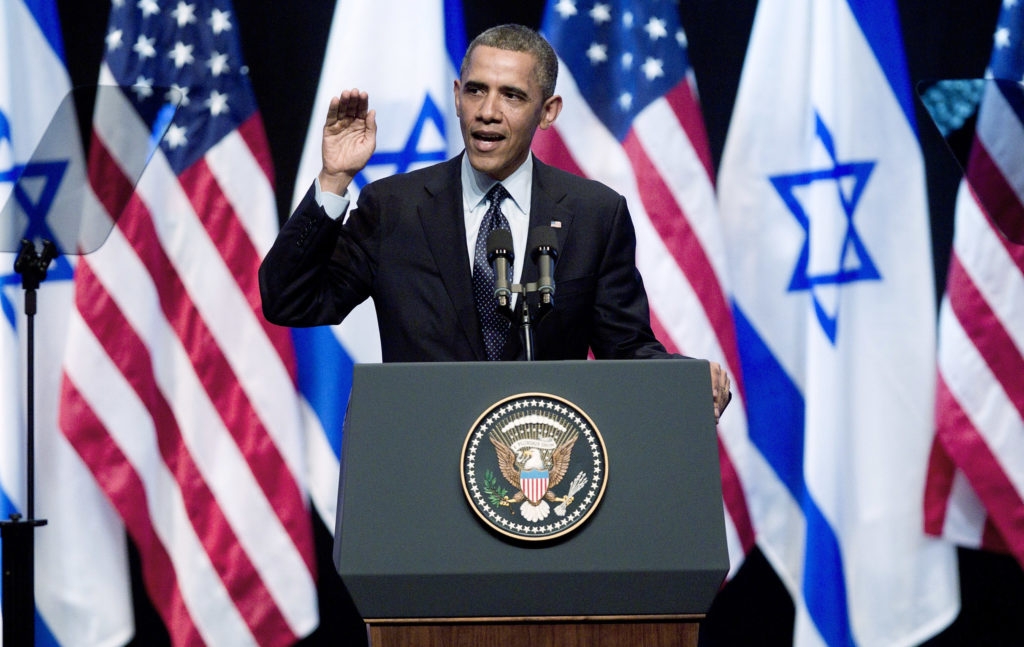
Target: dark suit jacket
(405,247)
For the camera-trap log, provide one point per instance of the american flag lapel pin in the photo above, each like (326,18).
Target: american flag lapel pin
(556,224)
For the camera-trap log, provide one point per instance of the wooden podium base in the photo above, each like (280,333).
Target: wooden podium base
(537,632)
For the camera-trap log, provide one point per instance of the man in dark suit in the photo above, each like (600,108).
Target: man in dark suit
(412,242)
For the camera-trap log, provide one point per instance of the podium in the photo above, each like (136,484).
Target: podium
(423,568)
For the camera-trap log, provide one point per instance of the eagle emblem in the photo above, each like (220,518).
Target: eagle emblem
(533,438)
(533,455)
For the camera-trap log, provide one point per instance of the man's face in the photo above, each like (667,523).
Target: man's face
(500,106)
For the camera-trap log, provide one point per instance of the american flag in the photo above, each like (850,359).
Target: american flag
(176,392)
(975,492)
(632,120)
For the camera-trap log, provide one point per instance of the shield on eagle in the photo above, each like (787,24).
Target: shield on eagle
(534,484)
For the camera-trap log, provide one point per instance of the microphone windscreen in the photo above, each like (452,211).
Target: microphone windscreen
(500,241)
(542,237)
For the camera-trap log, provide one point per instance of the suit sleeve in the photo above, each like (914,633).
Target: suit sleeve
(621,324)
(318,270)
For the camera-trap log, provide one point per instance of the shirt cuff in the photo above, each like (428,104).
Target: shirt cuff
(334,205)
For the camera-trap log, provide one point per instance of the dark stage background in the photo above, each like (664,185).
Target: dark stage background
(283,43)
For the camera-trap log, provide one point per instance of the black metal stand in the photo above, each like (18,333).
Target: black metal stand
(527,319)
(18,532)
(526,330)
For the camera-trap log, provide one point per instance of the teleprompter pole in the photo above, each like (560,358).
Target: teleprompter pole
(17,531)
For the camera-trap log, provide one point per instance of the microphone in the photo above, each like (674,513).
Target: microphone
(543,246)
(499,255)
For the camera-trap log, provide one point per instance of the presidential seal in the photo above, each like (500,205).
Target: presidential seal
(534,467)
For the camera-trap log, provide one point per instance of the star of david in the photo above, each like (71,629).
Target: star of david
(401,160)
(36,229)
(850,261)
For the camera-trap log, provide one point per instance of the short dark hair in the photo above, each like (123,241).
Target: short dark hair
(519,38)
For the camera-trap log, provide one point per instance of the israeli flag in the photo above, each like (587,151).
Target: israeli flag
(822,193)
(82,585)
(406,56)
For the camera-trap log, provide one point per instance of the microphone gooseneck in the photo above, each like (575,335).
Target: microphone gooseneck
(543,246)
(500,255)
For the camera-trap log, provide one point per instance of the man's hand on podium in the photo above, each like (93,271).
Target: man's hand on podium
(720,389)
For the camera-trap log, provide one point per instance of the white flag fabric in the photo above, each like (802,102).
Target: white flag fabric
(632,120)
(822,192)
(82,589)
(406,56)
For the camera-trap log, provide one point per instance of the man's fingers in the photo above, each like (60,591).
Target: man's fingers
(354,103)
(720,388)
(347,106)
(332,110)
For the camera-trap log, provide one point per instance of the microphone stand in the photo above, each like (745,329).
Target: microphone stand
(18,533)
(526,329)
(527,319)
(543,243)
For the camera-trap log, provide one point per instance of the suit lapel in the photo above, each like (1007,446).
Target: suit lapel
(546,210)
(444,225)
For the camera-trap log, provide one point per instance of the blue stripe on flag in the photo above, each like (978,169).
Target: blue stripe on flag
(775,412)
(48,19)
(6,305)
(824,584)
(455,32)
(775,406)
(325,378)
(44,637)
(7,507)
(880,23)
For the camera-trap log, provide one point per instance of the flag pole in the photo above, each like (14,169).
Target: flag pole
(18,533)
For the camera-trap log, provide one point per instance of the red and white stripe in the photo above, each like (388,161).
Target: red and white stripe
(535,487)
(663,168)
(975,492)
(180,397)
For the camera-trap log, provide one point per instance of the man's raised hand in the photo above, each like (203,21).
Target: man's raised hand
(350,137)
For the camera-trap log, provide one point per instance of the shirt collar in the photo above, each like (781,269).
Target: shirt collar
(475,184)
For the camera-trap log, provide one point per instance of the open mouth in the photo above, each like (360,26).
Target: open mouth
(488,140)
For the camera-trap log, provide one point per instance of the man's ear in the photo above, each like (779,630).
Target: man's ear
(458,99)
(550,110)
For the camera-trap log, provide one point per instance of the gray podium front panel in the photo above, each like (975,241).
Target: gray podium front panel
(408,545)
